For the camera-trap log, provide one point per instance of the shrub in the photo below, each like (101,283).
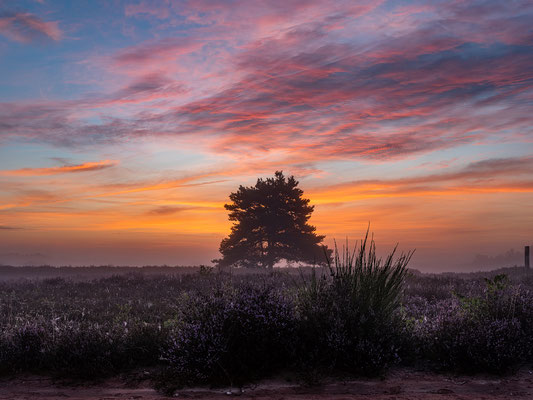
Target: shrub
(84,351)
(142,345)
(22,348)
(93,351)
(476,333)
(349,320)
(231,336)
(77,350)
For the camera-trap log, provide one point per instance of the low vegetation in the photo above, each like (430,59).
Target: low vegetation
(357,317)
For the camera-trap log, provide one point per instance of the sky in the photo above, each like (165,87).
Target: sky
(124,126)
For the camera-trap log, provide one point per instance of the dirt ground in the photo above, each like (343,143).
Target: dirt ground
(398,385)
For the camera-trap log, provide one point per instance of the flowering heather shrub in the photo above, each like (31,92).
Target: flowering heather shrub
(142,345)
(210,329)
(21,348)
(458,340)
(93,350)
(478,333)
(436,287)
(79,350)
(523,312)
(233,335)
(84,350)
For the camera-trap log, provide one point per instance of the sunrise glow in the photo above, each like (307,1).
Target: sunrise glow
(125,125)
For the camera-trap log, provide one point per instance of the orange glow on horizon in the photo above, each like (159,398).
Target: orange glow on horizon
(87,166)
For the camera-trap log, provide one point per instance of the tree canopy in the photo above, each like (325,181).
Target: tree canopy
(270,225)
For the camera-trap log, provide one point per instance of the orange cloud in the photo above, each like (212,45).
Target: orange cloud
(487,176)
(87,166)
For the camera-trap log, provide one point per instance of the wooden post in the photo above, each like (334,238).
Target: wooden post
(526,253)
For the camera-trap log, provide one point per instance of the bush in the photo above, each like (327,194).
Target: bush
(478,333)
(356,319)
(93,351)
(350,320)
(84,351)
(78,350)
(231,336)
(22,348)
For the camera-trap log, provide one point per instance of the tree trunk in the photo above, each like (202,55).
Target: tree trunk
(270,261)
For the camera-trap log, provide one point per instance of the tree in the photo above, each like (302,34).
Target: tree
(271,225)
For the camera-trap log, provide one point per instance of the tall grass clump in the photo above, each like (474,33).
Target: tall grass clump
(349,319)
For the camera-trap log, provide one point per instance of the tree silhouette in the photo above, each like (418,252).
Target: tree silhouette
(271,225)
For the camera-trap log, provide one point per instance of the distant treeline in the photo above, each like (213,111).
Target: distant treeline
(8,272)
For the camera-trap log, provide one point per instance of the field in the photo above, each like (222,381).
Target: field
(172,329)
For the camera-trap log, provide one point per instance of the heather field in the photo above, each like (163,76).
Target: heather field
(177,328)
(175,175)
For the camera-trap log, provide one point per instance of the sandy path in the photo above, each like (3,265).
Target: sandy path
(399,385)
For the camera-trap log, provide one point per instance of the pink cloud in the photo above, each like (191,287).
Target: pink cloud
(159,10)
(294,77)
(26,27)
(152,51)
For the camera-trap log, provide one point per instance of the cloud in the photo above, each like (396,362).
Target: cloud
(154,86)
(159,10)
(63,122)
(503,175)
(252,19)
(85,167)
(371,83)
(26,27)
(129,188)
(151,51)
(7,228)
(480,171)
(167,210)
(426,89)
